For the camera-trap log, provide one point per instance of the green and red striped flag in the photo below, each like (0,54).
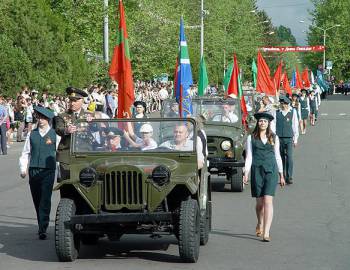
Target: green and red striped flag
(228,75)
(235,88)
(120,69)
(203,78)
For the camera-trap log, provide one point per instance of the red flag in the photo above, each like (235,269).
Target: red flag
(232,89)
(286,84)
(264,82)
(120,69)
(305,78)
(277,76)
(298,81)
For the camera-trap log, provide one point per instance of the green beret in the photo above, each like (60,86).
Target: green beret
(284,99)
(263,115)
(45,112)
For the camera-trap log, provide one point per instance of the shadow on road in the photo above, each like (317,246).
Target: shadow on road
(237,235)
(20,240)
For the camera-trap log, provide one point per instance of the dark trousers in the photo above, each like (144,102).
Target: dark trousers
(41,183)
(3,139)
(286,150)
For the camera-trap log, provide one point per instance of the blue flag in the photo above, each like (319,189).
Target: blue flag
(183,76)
(320,81)
(293,82)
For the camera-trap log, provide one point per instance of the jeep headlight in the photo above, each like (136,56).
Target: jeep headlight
(87,176)
(161,175)
(226,145)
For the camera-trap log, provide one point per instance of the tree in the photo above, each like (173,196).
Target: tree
(337,43)
(37,49)
(285,34)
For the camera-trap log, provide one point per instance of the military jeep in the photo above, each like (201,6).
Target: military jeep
(226,135)
(150,186)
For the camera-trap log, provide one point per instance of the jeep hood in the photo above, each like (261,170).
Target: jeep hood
(146,164)
(222,130)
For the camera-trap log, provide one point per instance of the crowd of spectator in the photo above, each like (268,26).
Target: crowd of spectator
(16,113)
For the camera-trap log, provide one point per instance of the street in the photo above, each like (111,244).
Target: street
(309,231)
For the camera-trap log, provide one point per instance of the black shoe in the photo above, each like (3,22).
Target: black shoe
(289,181)
(42,236)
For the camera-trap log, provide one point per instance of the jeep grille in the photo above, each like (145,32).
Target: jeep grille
(123,189)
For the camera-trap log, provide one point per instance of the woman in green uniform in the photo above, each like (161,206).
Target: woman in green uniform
(264,162)
(305,110)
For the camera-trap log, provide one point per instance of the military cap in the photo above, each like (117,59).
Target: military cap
(143,104)
(303,90)
(45,112)
(263,115)
(295,95)
(284,99)
(75,93)
(113,132)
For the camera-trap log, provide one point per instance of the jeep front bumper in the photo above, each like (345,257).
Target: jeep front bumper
(104,218)
(224,163)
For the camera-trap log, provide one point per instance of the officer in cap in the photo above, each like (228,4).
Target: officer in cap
(287,129)
(114,136)
(39,155)
(64,125)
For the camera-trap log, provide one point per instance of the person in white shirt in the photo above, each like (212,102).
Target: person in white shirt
(287,129)
(38,159)
(263,162)
(228,115)
(144,143)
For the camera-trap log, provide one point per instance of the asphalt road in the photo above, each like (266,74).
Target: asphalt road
(310,229)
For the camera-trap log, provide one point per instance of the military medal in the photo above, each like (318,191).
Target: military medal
(48,140)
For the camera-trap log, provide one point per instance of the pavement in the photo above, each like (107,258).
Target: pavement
(309,230)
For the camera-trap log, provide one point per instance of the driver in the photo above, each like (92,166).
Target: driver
(181,142)
(228,114)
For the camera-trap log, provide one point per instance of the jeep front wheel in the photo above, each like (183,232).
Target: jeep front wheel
(189,231)
(205,225)
(237,180)
(66,241)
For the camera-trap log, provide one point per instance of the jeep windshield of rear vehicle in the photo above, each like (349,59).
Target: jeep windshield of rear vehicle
(215,110)
(141,135)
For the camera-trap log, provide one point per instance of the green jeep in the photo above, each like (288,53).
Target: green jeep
(226,135)
(123,184)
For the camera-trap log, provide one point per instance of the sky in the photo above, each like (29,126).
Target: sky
(289,13)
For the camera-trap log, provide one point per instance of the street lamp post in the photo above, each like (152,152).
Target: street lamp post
(105,32)
(324,40)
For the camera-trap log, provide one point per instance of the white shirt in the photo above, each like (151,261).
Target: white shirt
(152,145)
(25,156)
(249,154)
(163,94)
(231,118)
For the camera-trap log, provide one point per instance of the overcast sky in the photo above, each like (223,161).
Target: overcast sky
(289,13)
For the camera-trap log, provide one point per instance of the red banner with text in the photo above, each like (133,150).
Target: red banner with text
(317,48)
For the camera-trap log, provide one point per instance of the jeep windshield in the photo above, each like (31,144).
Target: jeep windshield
(215,110)
(137,135)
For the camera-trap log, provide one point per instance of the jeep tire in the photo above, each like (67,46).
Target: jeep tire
(67,243)
(189,231)
(205,226)
(237,180)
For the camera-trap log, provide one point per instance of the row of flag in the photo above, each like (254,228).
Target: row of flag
(121,72)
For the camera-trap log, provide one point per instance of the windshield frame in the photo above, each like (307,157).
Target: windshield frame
(73,152)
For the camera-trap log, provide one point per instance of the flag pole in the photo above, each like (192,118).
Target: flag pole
(202,28)
(105,32)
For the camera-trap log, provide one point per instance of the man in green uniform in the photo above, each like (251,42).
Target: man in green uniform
(64,125)
(39,152)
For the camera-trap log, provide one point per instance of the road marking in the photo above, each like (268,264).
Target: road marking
(342,114)
(324,114)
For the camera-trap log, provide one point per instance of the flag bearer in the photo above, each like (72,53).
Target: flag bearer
(288,132)
(39,154)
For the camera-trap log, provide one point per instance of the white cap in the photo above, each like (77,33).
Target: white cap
(146,128)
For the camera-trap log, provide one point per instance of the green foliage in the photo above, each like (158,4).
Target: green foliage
(328,13)
(37,48)
(285,34)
